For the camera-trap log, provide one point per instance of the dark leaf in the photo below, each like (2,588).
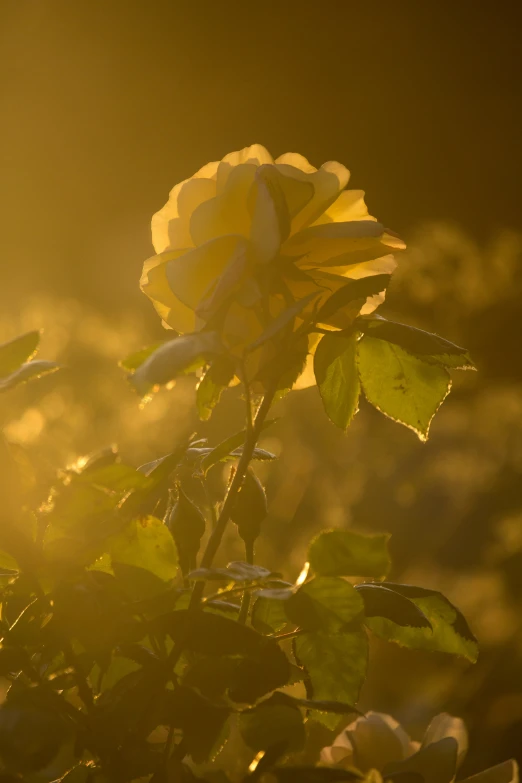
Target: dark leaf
(273,724)
(263,665)
(380,601)
(202,722)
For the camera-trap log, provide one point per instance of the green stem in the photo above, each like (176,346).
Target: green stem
(224,516)
(226,511)
(245,601)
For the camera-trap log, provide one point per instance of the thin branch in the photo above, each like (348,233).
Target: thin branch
(245,601)
(224,516)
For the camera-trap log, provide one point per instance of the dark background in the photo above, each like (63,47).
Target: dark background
(105,105)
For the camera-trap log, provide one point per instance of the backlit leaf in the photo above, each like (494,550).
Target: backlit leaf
(336,667)
(337,378)
(15,352)
(345,553)
(327,603)
(426,345)
(449,630)
(400,385)
(28,372)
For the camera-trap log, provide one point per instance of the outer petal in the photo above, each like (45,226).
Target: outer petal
(445,725)
(227,213)
(255,154)
(328,182)
(376,740)
(192,275)
(350,205)
(170,225)
(507,772)
(155,285)
(319,244)
(297,161)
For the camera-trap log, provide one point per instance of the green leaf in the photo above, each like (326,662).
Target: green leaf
(146,544)
(380,601)
(351,292)
(273,725)
(116,477)
(32,730)
(400,385)
(449,630)
(27,372)
(336,375)
(428,346)
(14,353)
(224,449)
(268,615)
(336,666)
(261,667)
(201,721)
(237,571)
(345,553)
(176,357)
(326,603)
(136,359)
(209,389)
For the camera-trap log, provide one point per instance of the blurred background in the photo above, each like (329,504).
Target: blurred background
(106,104)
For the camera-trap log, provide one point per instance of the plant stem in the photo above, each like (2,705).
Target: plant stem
(245,601)
(224,516)
(242,466)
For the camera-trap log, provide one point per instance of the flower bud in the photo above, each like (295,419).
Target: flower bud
(187,525)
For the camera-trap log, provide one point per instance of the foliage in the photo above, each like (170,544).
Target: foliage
(129,653)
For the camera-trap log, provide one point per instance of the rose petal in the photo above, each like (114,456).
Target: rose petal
(445,725)
(192,275)
(227,213)
(155,285)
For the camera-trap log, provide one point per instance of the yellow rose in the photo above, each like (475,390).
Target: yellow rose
(245,237)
